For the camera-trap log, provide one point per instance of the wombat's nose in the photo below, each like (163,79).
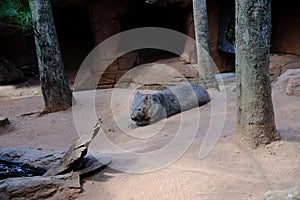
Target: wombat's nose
(134,118)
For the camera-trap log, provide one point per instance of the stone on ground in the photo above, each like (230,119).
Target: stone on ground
(65,186)
(289,194)
(289,82)
(3,121)
(75,154)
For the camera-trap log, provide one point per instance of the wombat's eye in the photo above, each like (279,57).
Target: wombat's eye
(139,109)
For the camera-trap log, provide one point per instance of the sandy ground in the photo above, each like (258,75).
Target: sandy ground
(230,171)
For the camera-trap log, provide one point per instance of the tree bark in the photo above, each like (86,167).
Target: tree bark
(256,123)
(205,65)
(55,87)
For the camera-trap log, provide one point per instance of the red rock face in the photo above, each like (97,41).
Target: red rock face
(83,25)
(280,63)
(224,61)
(110,17)
(285,27)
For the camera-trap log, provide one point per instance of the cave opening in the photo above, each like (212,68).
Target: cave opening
(148,15)
(74,34)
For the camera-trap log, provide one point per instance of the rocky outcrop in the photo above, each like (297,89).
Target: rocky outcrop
(159,75)
(65,186)
(83,24)
(280,63)
(127,15)
(59,182)
(74,155)
(289,82)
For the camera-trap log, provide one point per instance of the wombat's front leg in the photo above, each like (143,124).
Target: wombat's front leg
(132,125)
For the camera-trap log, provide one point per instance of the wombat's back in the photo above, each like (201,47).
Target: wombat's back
(183,97)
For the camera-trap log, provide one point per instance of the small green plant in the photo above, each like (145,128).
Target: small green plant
(15,13)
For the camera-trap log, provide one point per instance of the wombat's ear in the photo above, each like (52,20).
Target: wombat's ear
(136,94)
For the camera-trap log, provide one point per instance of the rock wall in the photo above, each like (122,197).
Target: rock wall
(285,27)
(17,47)
(81,25)
(280,63)
(224,61)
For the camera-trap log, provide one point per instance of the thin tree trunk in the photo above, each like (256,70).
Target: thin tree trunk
(205,66)
(256,123)
(55,87)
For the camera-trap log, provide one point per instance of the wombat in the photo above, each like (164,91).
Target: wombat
(148,108)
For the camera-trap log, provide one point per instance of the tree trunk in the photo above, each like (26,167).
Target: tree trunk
(56,91)
(205,65)
(256,123)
